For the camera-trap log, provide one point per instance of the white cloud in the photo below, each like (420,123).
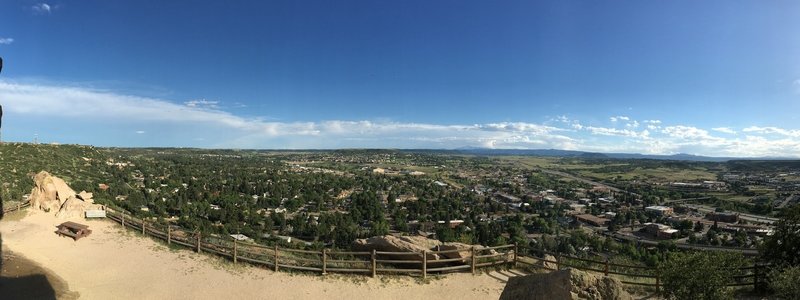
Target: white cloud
(686,132)
(772,130)
(633,124)
(203,103)
(619,118)
(42,8)
(181,123)
(617,132)
(727,130)
(6,41)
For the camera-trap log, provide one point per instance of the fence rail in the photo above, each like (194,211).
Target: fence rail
(325,260)
(410,263)
(16,207)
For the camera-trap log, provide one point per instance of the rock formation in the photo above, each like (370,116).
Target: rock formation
(416,244)
(565,284)
(51,193)
(390,243)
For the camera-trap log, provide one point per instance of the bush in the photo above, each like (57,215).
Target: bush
(782,247)
(786,283)
(698,275)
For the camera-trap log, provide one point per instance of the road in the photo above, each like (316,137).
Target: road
(743,216)
(620,237)
(584,180)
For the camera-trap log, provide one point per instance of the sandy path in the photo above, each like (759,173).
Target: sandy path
(114,264)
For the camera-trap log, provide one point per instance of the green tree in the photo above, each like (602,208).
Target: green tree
(698,275)
(783,246)
(786,282)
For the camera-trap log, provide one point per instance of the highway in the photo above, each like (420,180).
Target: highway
(622,237)
(743,216)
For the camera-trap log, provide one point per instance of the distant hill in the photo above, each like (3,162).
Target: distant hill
(591,155)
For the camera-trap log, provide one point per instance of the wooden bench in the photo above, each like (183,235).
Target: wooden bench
(73,230)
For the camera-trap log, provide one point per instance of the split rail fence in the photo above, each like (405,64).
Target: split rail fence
(412,263)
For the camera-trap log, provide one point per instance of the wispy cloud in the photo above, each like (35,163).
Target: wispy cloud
(84,107)
(619,118)
(727,130)
(6,41)
(203,103)
(772,130)
(42,8)
(796,86)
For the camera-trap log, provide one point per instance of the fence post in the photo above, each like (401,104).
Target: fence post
(374,262)
(235,250)
(658,284)
(169,234)
(424,264)
(473,260)
(123,221)
(606,269)
(755,277)
(516,248)
(324,261)
(276,258)
(558,262)
(198,242)
(143,226)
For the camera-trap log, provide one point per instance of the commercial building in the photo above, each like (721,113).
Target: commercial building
(660,210)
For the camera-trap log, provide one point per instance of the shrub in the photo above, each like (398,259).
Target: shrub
(786,283)
(698,275)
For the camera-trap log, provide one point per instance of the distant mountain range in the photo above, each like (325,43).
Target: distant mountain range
(597,155)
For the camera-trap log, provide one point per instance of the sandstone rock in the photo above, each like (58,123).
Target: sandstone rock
(86,196)
(548,265)
(52,194)
(390,243)
(49,192)
(565,284)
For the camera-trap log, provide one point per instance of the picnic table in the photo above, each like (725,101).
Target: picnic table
(73,230)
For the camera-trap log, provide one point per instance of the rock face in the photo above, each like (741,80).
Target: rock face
(416,244)
(390,243)
(565,284)
(548,265)
(51,193)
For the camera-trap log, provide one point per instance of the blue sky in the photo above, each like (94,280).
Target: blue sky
(719,78)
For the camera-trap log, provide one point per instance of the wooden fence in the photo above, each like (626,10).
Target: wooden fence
(325,260)
(18,206)
(413,263)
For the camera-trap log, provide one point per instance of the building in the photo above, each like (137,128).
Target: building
(723,217)
(596,221)
(580,208)
(660,231)
(660,210)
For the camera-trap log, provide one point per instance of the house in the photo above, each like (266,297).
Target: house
(660,231)
(578,207)
(659,210)
(723,217)
(241,237)
(594,220)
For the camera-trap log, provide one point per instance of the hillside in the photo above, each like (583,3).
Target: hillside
(80,166)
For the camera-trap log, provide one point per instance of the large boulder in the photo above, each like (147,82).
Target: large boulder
(548,264)
(390,243)
(565,284)
(49,192)
(52,194)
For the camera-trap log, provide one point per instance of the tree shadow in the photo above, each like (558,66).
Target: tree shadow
(21,278)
